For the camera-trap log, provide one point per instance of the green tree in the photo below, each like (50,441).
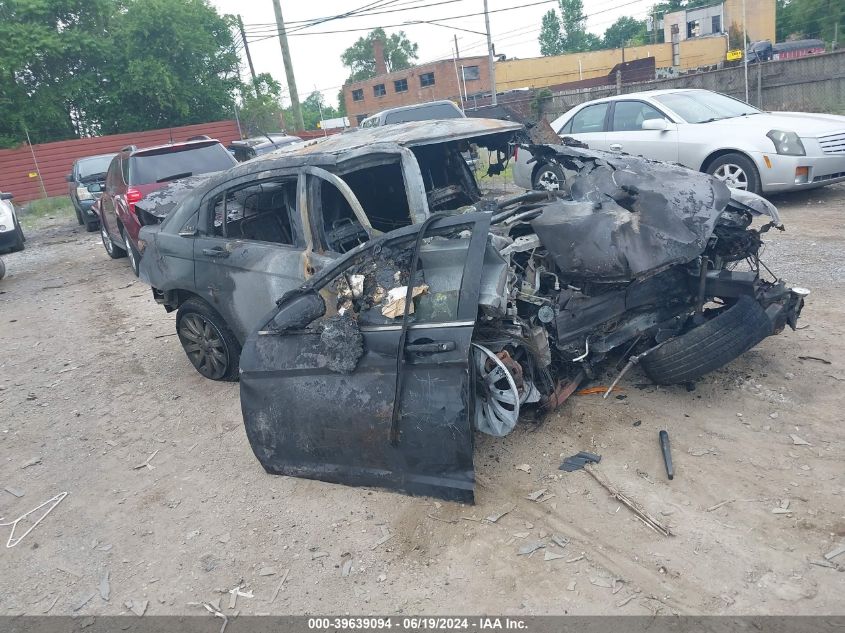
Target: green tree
(50,53)
(173,63)
(261,106)
(571,30)
(315,108)
(810,19)
(399,53)
(550,35)
(626,31)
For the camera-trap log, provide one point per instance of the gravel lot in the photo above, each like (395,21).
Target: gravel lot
(93,383)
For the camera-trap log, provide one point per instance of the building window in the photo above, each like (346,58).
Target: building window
(692,29)
(426,79)
(358,95)
(359,118)
(400,85)
(379,91)
(717,24)
(471,72)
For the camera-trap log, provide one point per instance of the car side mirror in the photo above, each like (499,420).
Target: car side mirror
(69,177)
(6,196)
(95,187)
(658,125)
(298,310)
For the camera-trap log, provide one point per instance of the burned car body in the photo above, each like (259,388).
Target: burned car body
(381,367)
(229,245)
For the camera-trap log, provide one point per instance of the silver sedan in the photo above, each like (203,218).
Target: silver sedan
(747,148)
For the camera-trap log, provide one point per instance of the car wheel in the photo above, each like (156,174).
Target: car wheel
(2,269)
(19,239)
(208,342)
(549,178)
(710,345)
(133,255)
(113,251)
(91,225)
(737,171)
(78,215)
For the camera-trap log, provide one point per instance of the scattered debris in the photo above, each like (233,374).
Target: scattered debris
(700,452)
(575,560)
(589,391)
(665,450)
(317,555)
(835,552)
(266,571)
(345,565)
(235,592)
(521,534)
(138,607)
(51,605)
(436,518)
(52,503)
(550,555)
(396,301)
(31,462)
(280,585)
(600,581)
(632,505)
(571,585)
(526,468)
(497,515)
(530,548)
(105,586)
(626,600)
(540,495)
(15,492)
(84,601)
(386,535)
(577,461)
(147,462)
(719,505)
(799,441)
(560,541)
(217,614)
(816,358)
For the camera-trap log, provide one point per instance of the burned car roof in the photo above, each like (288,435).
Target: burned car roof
(411,134)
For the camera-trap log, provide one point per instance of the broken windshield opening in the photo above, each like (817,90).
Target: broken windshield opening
(381,191)
(449,182)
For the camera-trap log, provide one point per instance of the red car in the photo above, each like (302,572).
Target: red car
(135,173)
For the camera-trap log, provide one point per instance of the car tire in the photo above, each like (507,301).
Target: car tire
(549,178)
(91,225)
(208,342)
(710,345)
(737,171)
(131,252)
(78,215)
(2,269)
(19,239)
(115,252)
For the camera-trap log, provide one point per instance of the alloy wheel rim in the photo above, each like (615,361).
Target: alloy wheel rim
(549,181)
(129,252)
(204,346)
(732,175)
(106,239)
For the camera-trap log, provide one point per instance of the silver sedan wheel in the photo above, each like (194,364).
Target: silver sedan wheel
(732,175)
(130,252)
(548,180)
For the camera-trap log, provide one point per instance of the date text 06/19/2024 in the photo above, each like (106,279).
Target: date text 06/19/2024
(421,623)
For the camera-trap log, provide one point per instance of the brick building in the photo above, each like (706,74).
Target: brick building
(427,82)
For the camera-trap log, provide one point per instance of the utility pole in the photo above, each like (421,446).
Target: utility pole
(745,50)
(246,48)
(457,76)
(283,42)
(490,56)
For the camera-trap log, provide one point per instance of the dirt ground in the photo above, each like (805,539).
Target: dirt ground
(93,383)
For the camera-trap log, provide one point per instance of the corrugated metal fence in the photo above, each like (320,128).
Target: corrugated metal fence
(18,170)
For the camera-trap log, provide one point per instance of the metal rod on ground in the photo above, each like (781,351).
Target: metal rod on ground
(246,50)
(633,506)
(490,57)
(283,42)
(35,162)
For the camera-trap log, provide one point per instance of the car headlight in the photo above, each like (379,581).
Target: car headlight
(83,194)
(787,143)
(6,218)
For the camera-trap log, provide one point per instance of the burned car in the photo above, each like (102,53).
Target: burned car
(229,245)
(381,367)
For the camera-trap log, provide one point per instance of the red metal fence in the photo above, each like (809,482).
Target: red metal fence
(18,172)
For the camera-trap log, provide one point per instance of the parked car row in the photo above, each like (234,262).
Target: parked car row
(746,148)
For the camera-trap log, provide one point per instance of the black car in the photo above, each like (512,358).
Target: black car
(249,148)
(85,182)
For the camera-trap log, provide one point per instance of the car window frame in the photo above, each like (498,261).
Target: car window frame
(612,117)
(205,221)
(605,121)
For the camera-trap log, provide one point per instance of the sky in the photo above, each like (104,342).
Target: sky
(514,24)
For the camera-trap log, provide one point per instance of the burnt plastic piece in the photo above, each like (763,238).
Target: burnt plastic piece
(577,461)
(667,455)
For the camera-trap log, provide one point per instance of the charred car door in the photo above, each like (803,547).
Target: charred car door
(348,383)
(249,246)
